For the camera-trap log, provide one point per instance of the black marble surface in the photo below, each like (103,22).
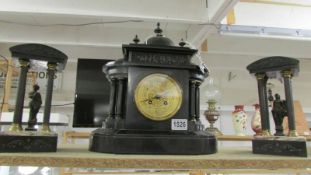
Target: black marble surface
(284,146)
(27,142)
(40,52)
(152,142)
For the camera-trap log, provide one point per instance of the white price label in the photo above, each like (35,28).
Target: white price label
(179,124)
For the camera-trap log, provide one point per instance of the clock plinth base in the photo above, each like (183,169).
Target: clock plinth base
(284,146)
(152,142)
(27,141)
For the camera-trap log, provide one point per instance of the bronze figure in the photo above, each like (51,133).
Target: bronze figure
(279,111)
(34,105)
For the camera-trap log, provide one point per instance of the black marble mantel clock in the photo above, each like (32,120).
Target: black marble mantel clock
(154,102)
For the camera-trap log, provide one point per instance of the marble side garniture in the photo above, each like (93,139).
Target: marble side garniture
(44,140)
(284,69)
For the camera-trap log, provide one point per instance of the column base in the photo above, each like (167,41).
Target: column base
(15,127)
(45,129)
(266,133)
(293,133)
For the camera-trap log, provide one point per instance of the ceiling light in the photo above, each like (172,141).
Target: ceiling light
(259,30)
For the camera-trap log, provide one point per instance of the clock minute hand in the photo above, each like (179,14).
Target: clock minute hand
(150,99)
(146,100)
(157,96)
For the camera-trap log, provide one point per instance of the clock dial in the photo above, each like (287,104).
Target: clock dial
(158,97)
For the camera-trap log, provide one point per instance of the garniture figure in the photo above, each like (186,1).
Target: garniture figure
(34,105)
(279,111)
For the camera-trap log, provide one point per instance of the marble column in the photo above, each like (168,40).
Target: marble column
(109,122)
(112,99)
(263,101)
(120,99)
(287,77)
(192,101)
(197,101)
(119,115)
(19,104)
(48,98)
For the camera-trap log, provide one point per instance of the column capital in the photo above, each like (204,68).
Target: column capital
(260,76)
(52,66)
(24,62)
(195,82)
(198,83)
(286,73)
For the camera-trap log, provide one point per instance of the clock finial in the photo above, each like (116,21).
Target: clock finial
(182,43)
(136,39)
(158,30)
(159,39)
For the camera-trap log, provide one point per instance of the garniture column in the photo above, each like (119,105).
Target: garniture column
(19,104)
(199,125)
(48,98)
(192,101)
(263,101)
(119,103)
(119,111)
(287,75)
(197,101)
(109,123)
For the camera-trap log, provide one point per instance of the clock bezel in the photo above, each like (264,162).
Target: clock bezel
(171,114)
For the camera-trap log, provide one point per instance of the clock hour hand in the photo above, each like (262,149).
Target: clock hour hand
(161,98)
(157,97)
(149,100)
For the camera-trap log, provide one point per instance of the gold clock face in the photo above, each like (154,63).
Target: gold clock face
(158,97)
